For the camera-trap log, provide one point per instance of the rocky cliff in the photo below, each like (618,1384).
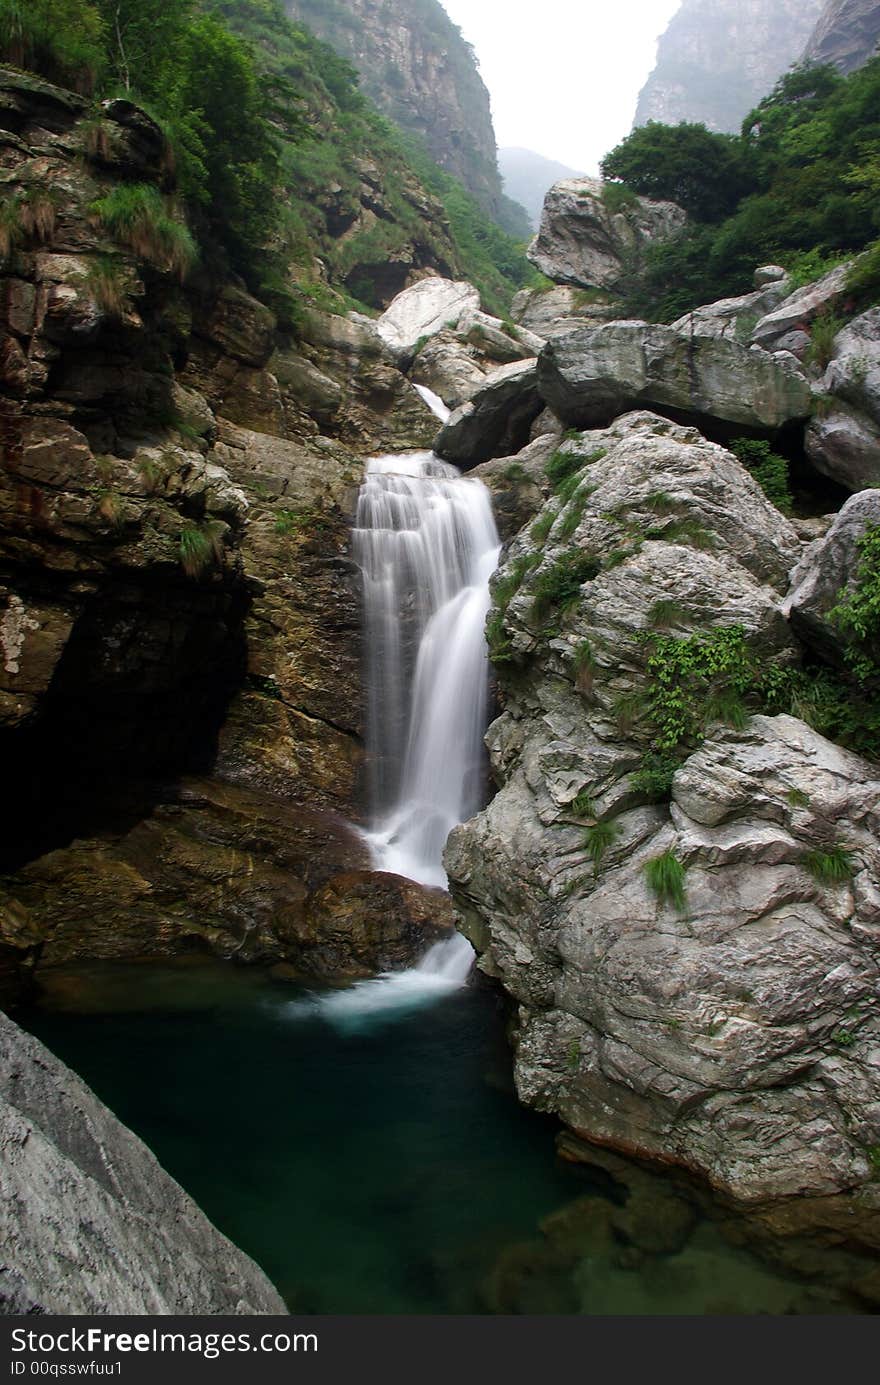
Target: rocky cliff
(847,34)
(90,1221)
(180,611)
(719,58)
(417,68)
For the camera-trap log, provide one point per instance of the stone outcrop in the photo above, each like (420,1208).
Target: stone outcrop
(719,58)
(422,311)
(736,318)
(496,420)
(178,593)
(799,310)
(553,312)
(732,1032)
(846,34)
(825,571)
(844,444)
(592,375)
(91,1223)
(587,240)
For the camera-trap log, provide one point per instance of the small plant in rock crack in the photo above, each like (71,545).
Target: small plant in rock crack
(666,877)
(832,866)
(582,805)
(201,546)
(598,839)
(584,667)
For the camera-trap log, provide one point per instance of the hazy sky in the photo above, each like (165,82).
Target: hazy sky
(563,75)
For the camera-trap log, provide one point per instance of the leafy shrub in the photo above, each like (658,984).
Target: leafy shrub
(654,776)
(823,331)
(769,469)
(561,465)
(666,879)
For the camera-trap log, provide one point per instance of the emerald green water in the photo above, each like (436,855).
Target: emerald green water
(378,1165)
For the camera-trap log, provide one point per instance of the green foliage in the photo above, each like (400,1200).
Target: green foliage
(823,330)
(27,216)
(654,776)
(769,469)
(830,867)
(574,512)
(515,473)
(137,215)
(836,706)
(857,614)
(666,879)
(201,546)
(618,198)
(683,531)
(692,679)
(63,40)
(704,173)
(797,798)
(559,585)
(543,524)
(598,838)
(582,805)
(504,589)
(11,228)
(561,466)
(800,186)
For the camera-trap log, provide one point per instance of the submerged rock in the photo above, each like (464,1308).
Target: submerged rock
(91,1223)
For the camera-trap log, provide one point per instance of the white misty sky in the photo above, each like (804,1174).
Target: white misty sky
(563,75)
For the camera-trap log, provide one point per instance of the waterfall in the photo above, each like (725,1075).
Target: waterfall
(426,543)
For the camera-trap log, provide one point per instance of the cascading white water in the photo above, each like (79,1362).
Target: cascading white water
(426,542)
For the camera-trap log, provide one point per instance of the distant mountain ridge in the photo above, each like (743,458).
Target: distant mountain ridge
(528,177)
(415,65)
(719,58)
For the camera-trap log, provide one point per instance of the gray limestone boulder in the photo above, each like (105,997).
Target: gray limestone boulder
(90,1221)
(734,1034)
(799,309)
(424,310)
(825,571)
(588,239)
(449,367)
(552,312)
(845,445)
(495,422)
(853,373)
(590,376)
(733,318)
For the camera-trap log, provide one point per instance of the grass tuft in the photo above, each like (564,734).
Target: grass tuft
(666,876)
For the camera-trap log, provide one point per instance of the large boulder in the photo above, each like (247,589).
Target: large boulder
(825,571)
(853,372)
(588,239)
(844,444)
(424,310)
(553,311)
(496,420)
(732,1034)
(449,367)
(590,376)
(91,1223)
(736,318)
(799,310)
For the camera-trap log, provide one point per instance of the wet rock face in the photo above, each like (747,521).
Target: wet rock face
(730,1030)
(584,242)
(496,420)
(90,1222)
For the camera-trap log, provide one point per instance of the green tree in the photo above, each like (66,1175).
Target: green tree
(705,173)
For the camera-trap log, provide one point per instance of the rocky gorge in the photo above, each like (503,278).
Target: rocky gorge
(675,881)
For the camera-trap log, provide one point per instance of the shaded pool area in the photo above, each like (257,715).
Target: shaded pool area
(378,1161)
